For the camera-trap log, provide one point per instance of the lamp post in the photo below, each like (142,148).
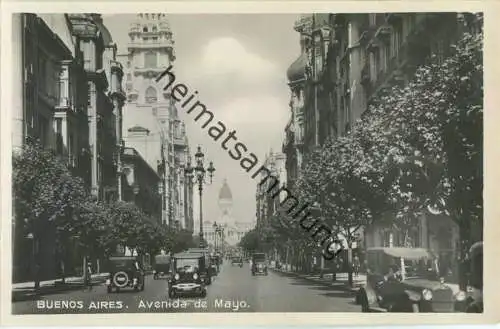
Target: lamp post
(198,173)
(216,229)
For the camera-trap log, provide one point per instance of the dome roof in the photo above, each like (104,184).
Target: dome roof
(138,128)
(297,70)
(225,192)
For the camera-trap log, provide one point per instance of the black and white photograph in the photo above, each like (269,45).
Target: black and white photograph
(246,162)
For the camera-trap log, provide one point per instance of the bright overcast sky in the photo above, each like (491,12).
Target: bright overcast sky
(238,65)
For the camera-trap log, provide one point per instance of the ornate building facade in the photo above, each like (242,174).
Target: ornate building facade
(67,94)
(266,205)
(345,61)
(229,230)
(149,105)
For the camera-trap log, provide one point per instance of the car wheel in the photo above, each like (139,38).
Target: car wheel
(109,289)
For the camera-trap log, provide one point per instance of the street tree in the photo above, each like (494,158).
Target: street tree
(45,196)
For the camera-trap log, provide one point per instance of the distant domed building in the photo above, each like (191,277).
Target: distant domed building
(233,230)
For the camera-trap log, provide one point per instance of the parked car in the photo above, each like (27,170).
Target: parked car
(474,303)
(401,280)
(125,272)
(162,266)
(214,265)
(237,261)
(207,270)
(259,264)
(188,275)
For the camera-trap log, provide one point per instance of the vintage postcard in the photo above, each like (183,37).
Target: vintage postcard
(265,164)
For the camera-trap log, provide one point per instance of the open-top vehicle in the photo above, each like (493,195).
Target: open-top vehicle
(401,280)
(259,264)
(125,272)
(162,266)
(188,275)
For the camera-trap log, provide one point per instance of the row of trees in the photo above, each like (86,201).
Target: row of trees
(47,195)
(417,149)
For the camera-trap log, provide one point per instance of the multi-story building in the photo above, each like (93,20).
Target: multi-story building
(266,203)
(61,99)
(345,61)
(150,105)
(141,184)
(48,84)
(104,104)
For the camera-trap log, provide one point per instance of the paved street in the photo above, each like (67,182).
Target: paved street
(232,287)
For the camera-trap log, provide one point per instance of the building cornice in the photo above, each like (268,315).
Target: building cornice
(83,26)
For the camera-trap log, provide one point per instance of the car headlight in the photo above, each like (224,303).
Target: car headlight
(427,294)
(176,276)
(460,296)
(195,276)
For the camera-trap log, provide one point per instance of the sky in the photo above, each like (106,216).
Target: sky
(237,63)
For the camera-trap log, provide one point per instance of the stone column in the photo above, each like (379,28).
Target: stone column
(17,90)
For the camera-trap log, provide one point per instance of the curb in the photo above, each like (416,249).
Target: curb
(342,287)
(30,294)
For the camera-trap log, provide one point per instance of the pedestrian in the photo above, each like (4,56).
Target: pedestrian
(88,276)
(356,265)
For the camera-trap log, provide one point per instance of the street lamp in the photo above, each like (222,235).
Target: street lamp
(216,229)
(198,173)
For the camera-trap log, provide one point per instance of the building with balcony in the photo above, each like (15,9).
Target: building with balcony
(104,101)
(345,61)
(150,51)
(266,205)
(141,183)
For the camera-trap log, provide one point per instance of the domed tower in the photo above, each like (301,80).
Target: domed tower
(225,202)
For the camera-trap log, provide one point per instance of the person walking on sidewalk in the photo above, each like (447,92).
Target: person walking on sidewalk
(88,277)
(356,265)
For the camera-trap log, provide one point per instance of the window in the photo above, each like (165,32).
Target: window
(318,58)
(146,39)
(129,76)
(151,95)
(150,59)
(155,28)
(145,29)
(128,64)
(155,39)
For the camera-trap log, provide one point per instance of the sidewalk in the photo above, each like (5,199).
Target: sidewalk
(341,281)
(26,291)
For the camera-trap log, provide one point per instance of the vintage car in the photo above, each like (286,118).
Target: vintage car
(162,266)
(401,280)
(125,272)
(237,261)
(188,275)
(474,303)
(208,272)
(259,264)
(214,265)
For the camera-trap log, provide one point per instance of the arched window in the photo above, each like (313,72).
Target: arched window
(151,96)
(145,29)
(150,60)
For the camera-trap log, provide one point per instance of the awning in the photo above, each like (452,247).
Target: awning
(406,253)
